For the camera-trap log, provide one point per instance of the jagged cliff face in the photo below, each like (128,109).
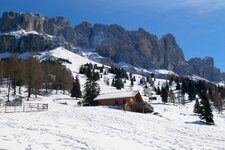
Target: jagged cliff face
(138,48)
(205,68)
(56,26)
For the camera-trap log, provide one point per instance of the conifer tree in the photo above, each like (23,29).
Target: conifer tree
(158,91)
(101,69)
(147,78)
(113,83)
(206,111)
(183,87)
(131,82)
(88,72)
(197,108)
(141,81)
(178,86)
(119,83)
(75,92)
(91,91)
(134,79)
(191,91)
(164,95)
(167,86)
(130,75)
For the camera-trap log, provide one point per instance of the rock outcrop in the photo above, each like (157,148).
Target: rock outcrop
(57,26)
(205,68)
(30,42)
(142,49)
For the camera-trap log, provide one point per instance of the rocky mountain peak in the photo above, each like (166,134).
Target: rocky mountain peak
(204,67)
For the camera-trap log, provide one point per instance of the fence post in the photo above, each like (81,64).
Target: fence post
(5,108)
(14,108)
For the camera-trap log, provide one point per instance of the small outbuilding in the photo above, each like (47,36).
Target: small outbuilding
(130,100)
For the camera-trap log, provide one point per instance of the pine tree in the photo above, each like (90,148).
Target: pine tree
(164,95)
(95,76)
(167,86)
(141,81)
(197,108)
(113,83)
(88,72)
(131,82)
(191,91)
(152,75)
(178,86)
(206,111)
(147,79)
(134,79)
(158,91)
(101,69)
(91,91)
(183,87)
(75,92)
(130,76)
(119,83)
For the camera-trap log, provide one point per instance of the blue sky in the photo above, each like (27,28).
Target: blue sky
(198,25)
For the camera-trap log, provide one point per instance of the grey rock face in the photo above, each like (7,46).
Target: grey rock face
(142,49)
(57,26)
(30,42)
(205,68)
(138,48)
(83,33)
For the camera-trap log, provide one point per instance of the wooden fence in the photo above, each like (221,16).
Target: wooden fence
(25,107)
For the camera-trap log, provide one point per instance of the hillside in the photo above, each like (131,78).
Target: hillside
(68,127)
(103,128)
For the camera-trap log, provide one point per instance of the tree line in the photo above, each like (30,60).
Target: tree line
(34,75)
(205,91)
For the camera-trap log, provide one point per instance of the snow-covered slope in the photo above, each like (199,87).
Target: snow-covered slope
(67,127)
(60,52)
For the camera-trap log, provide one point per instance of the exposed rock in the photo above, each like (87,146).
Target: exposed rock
(142,49)
(57,26)
(30,42)
(83,32)
(205,68)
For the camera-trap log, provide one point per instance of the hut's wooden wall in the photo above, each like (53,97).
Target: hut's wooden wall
(118,101)
(121,101)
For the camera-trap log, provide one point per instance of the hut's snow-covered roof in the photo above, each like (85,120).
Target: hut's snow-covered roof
(116,95)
